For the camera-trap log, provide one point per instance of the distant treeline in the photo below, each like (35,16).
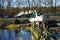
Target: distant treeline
(11,11)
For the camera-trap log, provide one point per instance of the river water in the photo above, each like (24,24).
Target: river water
(11,35)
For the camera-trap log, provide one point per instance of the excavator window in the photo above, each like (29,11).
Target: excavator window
(33,15)
(38,13)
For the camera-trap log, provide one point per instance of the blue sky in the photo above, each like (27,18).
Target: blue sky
(25,3)
(58,2)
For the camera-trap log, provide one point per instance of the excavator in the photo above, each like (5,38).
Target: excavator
(37,16)
(34,16)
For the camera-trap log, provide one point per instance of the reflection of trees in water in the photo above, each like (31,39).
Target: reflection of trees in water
(11,35)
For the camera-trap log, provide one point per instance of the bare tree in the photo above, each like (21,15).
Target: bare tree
(9,3)
(28,5)
(2,7)
(0,4)
(18,2)
(55,7)
(51,5)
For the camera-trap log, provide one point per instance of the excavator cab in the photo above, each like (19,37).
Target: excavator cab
(35,14)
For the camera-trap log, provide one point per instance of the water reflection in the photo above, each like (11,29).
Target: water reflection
(11,35)
(25,35)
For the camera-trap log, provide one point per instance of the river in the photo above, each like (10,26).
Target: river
(11,35)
